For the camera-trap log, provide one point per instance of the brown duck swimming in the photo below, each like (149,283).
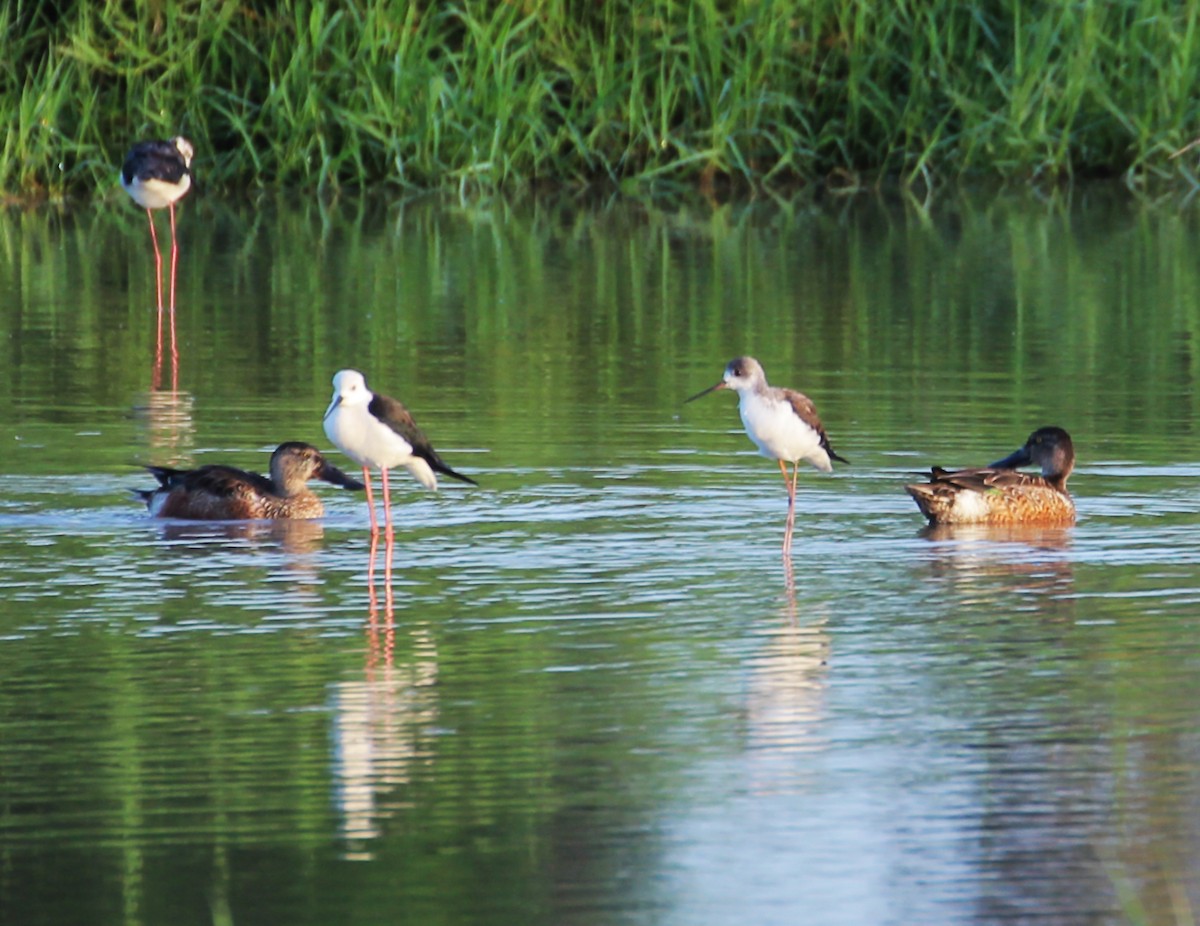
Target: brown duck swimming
(222,493)
(999,494)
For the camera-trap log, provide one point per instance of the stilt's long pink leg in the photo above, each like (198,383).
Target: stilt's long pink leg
(374,530)
(388,542)
(174,255)
(174,343)
(157,260)
(156,379)
(371,576)
(370,500)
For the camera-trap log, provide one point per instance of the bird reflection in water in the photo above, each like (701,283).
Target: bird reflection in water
(388,600)
(381,638)
(170,427)
(293,535)
(785,696)
(975,555)
(156,376)
(381,731)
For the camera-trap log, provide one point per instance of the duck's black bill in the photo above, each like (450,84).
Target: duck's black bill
(334,476)
(1015,459)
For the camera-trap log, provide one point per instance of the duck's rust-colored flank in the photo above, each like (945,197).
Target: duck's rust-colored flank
(222,493)
(999,494)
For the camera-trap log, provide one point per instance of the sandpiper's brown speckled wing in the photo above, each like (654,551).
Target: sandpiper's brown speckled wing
(806,411)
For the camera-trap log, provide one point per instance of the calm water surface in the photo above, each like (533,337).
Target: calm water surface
(598,695)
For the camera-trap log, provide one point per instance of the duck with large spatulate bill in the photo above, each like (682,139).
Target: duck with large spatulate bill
(1000,493)
(223,493)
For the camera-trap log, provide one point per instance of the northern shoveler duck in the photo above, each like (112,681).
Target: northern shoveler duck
(999,494)
(783,424)
(222,493)
(376,431)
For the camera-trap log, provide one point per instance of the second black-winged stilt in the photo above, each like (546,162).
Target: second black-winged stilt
(157,174)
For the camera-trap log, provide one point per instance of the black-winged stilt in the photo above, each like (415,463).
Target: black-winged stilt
(157,174)
(378,432)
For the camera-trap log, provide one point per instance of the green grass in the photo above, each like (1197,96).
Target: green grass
(479,94)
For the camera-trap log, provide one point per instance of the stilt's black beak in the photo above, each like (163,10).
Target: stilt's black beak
(720,385)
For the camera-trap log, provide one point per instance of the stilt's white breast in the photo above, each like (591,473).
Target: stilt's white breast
(365,439)
(153,193)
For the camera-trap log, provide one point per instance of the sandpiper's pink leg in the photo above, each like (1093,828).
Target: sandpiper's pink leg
(792,504)
(790,484)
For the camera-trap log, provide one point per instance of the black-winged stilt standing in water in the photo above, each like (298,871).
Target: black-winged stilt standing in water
(782,423)
(157,174)
(378,432)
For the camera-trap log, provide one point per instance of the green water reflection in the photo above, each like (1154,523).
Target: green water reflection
(599,697)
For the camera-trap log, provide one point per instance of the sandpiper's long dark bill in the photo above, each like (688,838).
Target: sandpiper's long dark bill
(1000,493)
(224,493)
(782,423)
(703,392)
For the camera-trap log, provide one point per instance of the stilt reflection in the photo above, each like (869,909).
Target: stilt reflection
(381,725)
(170,429)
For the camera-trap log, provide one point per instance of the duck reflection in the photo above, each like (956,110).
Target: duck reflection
(1036,557)
(292,536)
(1050,538)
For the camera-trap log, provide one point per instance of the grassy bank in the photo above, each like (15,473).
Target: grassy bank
(321,94)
